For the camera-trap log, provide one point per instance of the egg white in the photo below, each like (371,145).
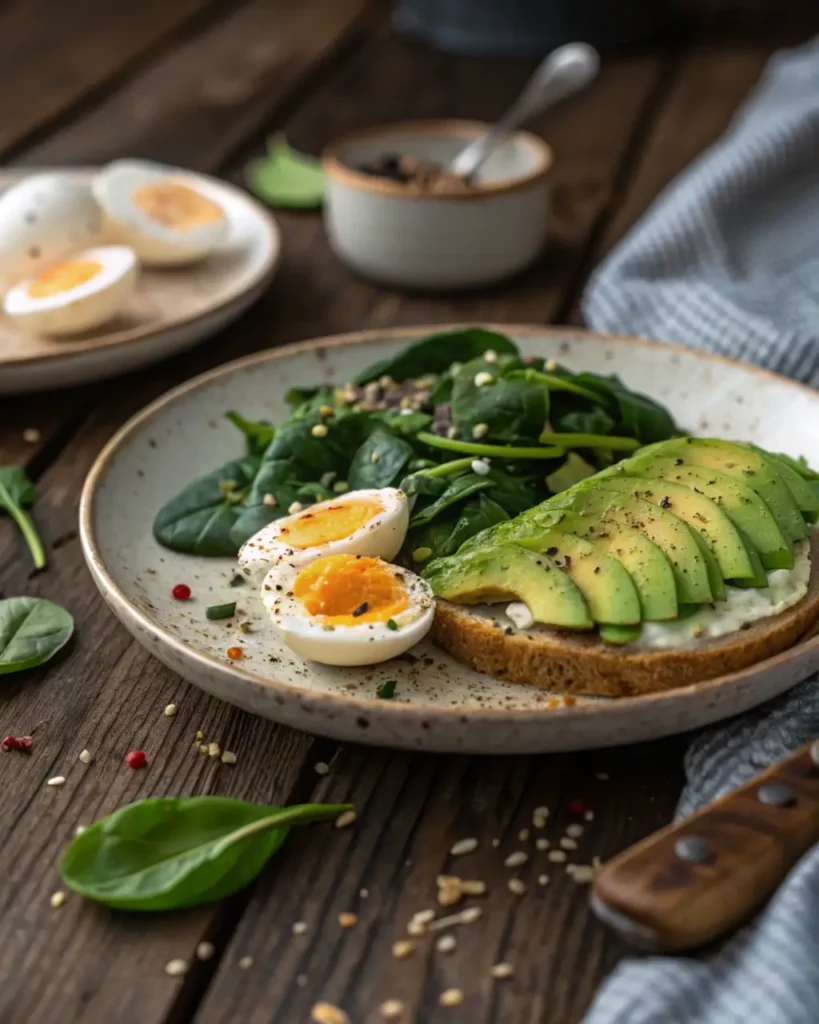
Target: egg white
(382,536)
(155,243)
(366,644)
(83,306)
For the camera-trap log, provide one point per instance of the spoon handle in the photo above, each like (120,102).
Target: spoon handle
(564,72)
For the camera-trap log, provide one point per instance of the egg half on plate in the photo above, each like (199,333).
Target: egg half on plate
(82,292)
(348,609)
(162,213)
(366,522)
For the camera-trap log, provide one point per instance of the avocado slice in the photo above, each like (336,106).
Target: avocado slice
(806,500)
(747,466)
(602,580)
(509,573)
(745,509)
(620,634)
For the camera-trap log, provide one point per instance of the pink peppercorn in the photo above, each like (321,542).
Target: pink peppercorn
(136,759)
(182,592)
(22,743)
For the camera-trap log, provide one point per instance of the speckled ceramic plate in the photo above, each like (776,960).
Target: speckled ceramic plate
(438,704)
(171,310)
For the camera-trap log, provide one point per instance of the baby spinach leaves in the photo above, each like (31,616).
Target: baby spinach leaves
(511,409)
(17,493)
(436,353)
(258,434)
(32,630)
(379,461)
(168,853)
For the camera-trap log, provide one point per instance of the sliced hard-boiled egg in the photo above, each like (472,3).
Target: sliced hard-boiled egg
(44,219)
(161,212)
(83,292)
(349,609)
(367,522)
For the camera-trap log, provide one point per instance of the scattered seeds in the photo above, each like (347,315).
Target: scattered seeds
(568,843)
(416,928)
(176,968)
(319,430)
(402,949)
(424,916)
(473,887)
(542,879)
(588,816)
(299,928)
(581,873)
(57,899)
(376,455)
(321,768)
(480,467)
(31,435)
(575,831)
(480,430)
(541,812)
(348,920)
(345,818)
(270,500)
(538,821)
(463,846)
(228,757)
(451,997)
(295,507)
(516,859)
(202,748)
(58,780)
(449,895)
(445,943)
(468,916)
(214,750)
(483,378)
(501,971)
(391,1009)
(205,951)
(86,756)
(490,356)
(542,844)
(170,710)
(516,886)
(557,856)
(245,963)
(199,735)
(523,835)
(326,1013)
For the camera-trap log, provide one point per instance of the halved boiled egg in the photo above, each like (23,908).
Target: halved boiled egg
(161,212)
(349,609)
(75,295)
(367,522)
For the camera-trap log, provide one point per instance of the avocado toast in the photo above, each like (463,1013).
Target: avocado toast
(692,559)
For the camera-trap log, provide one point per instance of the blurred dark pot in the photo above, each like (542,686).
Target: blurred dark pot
(498,28)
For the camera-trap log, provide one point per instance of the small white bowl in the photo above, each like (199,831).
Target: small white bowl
(402,235)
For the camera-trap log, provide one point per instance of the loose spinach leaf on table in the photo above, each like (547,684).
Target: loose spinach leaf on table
(199,519)
(258,434)
(32,630)
(168,853)
(435,353)
(17,493)
(512,409)
(379,461)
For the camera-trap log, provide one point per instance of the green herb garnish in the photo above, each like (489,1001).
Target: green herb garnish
(221,611)
(17,493)
(32,630)
(393,625)
(386,691)
(284,177)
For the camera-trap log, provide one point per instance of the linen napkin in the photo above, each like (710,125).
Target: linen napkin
(727,260)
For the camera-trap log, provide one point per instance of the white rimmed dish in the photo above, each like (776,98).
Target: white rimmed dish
(404,236)
(172,308)
(439,705)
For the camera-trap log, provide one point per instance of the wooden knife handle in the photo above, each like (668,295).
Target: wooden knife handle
(696,880)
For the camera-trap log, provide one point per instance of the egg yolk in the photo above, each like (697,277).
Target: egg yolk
(63,278)
(331,521)
(176,206)
(350,590)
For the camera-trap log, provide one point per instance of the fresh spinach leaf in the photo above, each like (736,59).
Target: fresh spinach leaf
(258,434)
(199,519)
(404,422)
(168,853)
(284,177)
(17,493)
(478,514)
(457,490)
(32,630)
(593,421)
(379,461)
(638,415)
(435,353)
(512,409)
(432,537)
(515,494)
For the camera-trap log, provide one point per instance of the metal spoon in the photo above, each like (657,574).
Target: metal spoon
(565,71)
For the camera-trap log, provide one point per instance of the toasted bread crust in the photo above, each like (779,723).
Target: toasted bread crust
(585,666)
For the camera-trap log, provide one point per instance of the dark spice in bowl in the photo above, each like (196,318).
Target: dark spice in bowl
(409,170)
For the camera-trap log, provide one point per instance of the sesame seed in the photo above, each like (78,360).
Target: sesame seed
(86,756)
(463,846)
(205,951)
(319,430)
(340,486)
(203,748)
(557,856)
(295,506)
(449,895)
(542,844)
(514,860)
(538,821)
(321,768)
(326,1013)
(542,879)
(516,886)
(416,929)
(541,812)
(482,378)
(501,971)
(480,430)
(376,455)
(603,776)
(568,843)
(199,735)
(176,968)
(58,780)
(391,1009)
(443,880)
(270,501)
(228,757)
(298,928)
(214,750)
(170,710)
(345,818)
(31,435)
(402,949)
(348,920)
(523,835)
(490,356)
(468,916)
(588,816)
(445,943)
(57,899)
(451,997)
(575,831)
(473,887)
(245,963)
(451,433)
(480,467)
(424,916)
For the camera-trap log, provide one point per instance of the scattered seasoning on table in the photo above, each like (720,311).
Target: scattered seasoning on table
(136,759)
(363,893)
(235,653)
(176,968)
(463,846)
(402,949)
(86,756)
(214,750)
(228,757)
(575,831)
(170,710)
(557,856)
(501,971)
(589,816)
(542,844)
(516,859)
(21,743)
(182,592)
(451,997)
(321,768)
(523,835)
(542,879)
(205,951)
(57,899)
(299,927)
(568,843)
(58,780)
(326,1013)
(221,611)
(516,886)
(391,1009)
(467,916)
(245,963)
(473,887)
(446,943)
(344,819)
(386,691)
(347,920)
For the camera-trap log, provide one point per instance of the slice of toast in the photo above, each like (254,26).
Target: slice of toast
(581,664)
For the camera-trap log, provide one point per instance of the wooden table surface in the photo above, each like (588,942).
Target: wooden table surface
(202,83)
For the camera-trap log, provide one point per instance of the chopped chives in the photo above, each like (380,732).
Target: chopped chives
(221,611)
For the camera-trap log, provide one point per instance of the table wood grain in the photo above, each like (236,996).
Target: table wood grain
(201,84)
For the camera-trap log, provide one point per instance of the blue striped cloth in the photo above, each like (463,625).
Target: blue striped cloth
(727,260)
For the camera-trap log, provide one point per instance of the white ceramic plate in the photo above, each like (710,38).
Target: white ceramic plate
(439,705)
(172,309)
